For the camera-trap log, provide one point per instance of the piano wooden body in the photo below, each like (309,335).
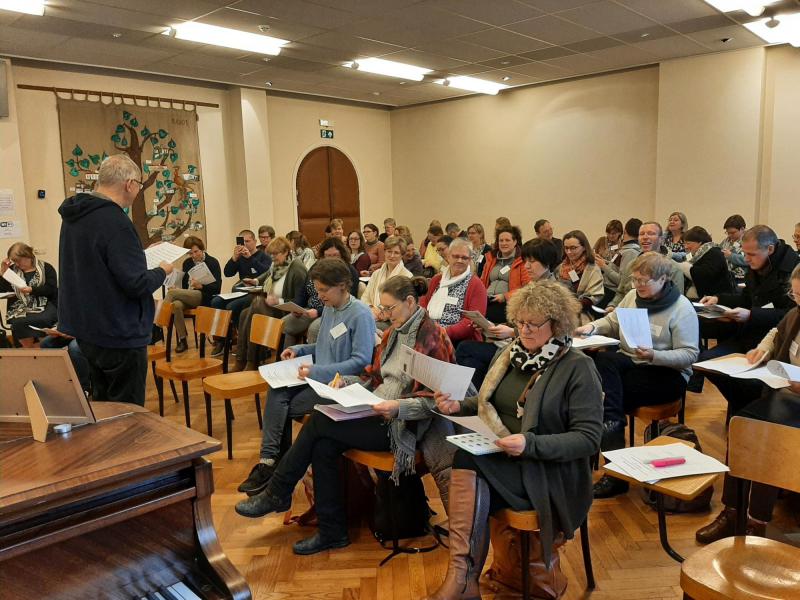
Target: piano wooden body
(118,509)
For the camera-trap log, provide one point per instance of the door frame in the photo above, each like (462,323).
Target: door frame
(296,170)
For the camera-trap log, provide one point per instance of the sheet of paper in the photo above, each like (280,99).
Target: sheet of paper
(729,365)
(711,308)
(635,327)
(232,295)
(763,374)
(5,295)
(472,423)
(173,280)
(634,462)
(593,341)
(283,373)
(782,369)
(478,319)
(201,274)
(290,307)
(14,279)
(436,375)
(332,412)
(250,288)
(768,305)
(474,443)
(164,251)
(599,310)
(364,279)
(352,395)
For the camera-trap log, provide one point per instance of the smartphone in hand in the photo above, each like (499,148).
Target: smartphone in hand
(239,240)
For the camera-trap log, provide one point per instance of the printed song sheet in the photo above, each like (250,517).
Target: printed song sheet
(283,373)
(635,327)
(635,462)
(164,251)
(435,374)
(352,395)
(473,424)
(14,279)
(201,274)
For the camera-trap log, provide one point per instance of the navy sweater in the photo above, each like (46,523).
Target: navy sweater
(207,291)
(106,291)
(249,268)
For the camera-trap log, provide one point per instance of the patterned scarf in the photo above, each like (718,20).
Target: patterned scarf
(277,272)
(568,266)
(534,362)
(447,289)
(701,251)
(26,304)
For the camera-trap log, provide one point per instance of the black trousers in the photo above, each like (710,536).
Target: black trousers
(117,374)
(628,385)
(496,311)
(477,355)
(320,444)
(738,392)
(777,406)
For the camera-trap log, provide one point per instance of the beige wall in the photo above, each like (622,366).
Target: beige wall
(11,165)
(577,153)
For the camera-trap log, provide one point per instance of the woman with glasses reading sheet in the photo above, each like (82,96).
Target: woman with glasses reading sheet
(636,376)
(393,250)
(579,272)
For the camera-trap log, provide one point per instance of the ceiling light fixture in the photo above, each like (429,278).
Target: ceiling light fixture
(29,7)
(228,38)
(785,29)
(473,84)
(378,66)
(754,8)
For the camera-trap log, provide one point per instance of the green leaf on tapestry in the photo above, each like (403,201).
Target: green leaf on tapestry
(192,168)
(146,168)
(77,151)
(126,115)
(124,142)
(162,213)
(169,183)
(70,162)
(154,140)
(74,172)
(174,209)
(172,143)
(95,158)
(120,129)
(115,138)
(84,163)
(173,157)
(134,122)
(162,133)
(159,184)
(167,174)
(145,132)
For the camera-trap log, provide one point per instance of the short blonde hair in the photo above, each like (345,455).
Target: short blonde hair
(279,244)
(549,299)
(653,264)
(395,241)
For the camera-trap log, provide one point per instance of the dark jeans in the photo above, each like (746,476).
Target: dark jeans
(320,444)
(236,306)
(46,318)
(777,406)
(117,374)
(628,385)
(75,355)
(738,392)
(477,355)
(282,404)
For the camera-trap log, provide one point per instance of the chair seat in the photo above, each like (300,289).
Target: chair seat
(202,368)
(742,568)
(235,385)
(380,461)
(658,411)
(523,520)
(156,352)
(194,364)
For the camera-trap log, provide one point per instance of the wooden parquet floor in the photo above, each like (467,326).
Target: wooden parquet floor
(629,563)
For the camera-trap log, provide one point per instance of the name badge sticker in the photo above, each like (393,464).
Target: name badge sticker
(505,270)
(338,330)
(573,276)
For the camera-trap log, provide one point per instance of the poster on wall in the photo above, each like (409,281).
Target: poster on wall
(163,142)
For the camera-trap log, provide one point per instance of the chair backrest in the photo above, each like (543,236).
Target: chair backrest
(163,313)
(765,452)
(266,331)
(212,321)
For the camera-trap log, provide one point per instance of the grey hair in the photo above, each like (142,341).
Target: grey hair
(116,169)
(763,236)
(457,242)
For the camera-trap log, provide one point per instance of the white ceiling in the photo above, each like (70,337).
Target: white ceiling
(528,41)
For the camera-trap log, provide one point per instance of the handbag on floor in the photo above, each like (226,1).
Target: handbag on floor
(401,511)
(546,581)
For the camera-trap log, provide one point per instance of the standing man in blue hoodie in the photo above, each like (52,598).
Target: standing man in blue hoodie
(106,296)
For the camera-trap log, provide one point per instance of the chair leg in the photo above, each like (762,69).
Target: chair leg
(185,389)
(258,412)
(174,391)
(526,563)
(208,412)
(159,389)
(194,329)
(229,426)
(653,430)
(631,422)
(587,555)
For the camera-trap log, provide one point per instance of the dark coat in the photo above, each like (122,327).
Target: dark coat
(210,290)
(710,275)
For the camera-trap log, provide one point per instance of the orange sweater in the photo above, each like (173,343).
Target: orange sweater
(517,278)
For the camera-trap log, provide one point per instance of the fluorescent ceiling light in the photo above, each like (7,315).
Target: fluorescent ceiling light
(785,29)
(473,84)
(229,38)
(29,7)
(390,68)
(754,8)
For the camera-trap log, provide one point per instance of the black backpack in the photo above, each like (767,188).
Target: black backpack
(401,511)
(673,505)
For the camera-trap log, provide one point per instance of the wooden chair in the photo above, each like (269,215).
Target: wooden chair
(654,414)
(156,352)
(527,522)
(264,331)
(211,322)
(747,567)
(191,314)
(384,461)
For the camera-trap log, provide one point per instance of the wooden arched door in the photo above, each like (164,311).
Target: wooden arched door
(327,188)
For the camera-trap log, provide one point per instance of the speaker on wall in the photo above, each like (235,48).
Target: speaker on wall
(3,89)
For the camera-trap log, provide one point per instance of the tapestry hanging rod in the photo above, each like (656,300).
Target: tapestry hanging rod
(134,97)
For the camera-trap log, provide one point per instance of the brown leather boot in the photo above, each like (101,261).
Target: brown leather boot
(469,537)
(721,527)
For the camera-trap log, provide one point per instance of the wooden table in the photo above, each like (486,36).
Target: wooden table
(683,488)
(116,509)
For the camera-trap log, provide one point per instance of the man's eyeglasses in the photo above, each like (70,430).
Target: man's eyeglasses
(641,282)
(141,184)
(532,327)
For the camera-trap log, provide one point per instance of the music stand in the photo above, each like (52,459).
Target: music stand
(41,387)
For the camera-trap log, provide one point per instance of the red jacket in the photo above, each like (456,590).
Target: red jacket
(475,299)
(517,278)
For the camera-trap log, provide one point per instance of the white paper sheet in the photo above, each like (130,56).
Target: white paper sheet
(478,319)
(201,274)
(232,295)
(634,462)
(283,373)
(364,279)
(352,395)
(474,443)
(164,251)
(785,370)
(593,341)
(472,423)
(290,307)
(763,374)
(599,310)
(435,374)
(5,295)
(173,280)
(635,327)
(14,279)
(729,365)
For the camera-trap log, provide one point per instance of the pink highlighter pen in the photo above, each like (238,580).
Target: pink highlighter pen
(667,462)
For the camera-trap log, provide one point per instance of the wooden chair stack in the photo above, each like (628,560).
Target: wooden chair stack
(746,567)
(264,331)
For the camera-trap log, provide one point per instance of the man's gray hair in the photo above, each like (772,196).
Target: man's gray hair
(117,169)
(763,236)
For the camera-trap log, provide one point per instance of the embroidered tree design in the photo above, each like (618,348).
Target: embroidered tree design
(156,153)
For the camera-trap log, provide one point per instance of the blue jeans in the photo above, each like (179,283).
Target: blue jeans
(282,404)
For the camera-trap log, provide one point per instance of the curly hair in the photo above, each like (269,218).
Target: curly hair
(549,299)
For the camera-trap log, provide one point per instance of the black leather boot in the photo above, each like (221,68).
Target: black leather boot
(613,439)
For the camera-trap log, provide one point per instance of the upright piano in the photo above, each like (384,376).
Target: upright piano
(117,509)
